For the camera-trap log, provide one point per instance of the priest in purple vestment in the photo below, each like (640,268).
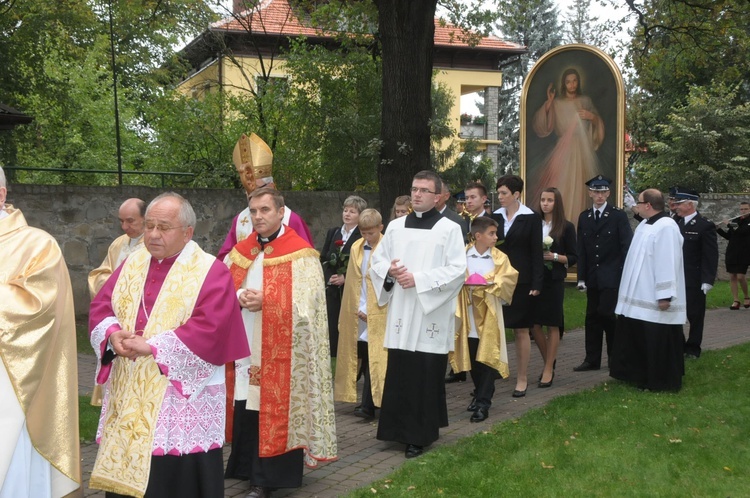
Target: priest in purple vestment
(162,328)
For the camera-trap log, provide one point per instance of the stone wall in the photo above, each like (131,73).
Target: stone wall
(84,219)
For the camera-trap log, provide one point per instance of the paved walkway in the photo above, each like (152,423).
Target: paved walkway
(363,459)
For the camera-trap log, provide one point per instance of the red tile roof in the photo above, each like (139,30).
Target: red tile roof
(275,17)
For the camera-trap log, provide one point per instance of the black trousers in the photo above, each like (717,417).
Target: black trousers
(367,402)
(195,475)
(600,320)
(482,376)
(696,314)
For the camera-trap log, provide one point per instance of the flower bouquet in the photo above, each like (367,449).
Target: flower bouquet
(338,260)
(547,244)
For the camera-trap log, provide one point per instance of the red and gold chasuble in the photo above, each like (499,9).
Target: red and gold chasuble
(293,374)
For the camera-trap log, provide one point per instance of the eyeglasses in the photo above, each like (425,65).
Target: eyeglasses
(161,228)
(423,191)
(641,202)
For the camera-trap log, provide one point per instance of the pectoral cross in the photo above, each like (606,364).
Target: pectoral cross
(398,326)
(434,329)
(244,221)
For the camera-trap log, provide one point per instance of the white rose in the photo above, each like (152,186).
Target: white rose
(547,241)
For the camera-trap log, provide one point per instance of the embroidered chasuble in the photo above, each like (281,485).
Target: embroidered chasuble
(287,378)
(38,367)
(486,304)
(345,385)
(171,403)
(121,248)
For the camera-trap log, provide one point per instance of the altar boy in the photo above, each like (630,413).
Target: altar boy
(480,335)
(362,325)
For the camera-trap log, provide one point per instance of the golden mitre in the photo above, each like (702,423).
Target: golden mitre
(253,159)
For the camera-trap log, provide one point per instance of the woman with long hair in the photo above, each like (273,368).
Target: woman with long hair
(559,254)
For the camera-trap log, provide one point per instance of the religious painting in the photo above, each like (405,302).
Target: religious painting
(572,126)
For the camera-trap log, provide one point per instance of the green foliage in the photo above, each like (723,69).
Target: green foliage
(703,144)
(471,165)
(612,440)
(333,115)
(678,44)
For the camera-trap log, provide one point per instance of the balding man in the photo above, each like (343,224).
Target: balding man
(162,328)
(131,221)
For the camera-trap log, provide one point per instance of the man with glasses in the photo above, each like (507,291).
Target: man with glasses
(651,303)
(418,269)
(604,236)
(162,328)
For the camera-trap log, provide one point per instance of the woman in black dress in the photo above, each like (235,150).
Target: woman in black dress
(557,258)
(519,234)
(339,242)
(738,253)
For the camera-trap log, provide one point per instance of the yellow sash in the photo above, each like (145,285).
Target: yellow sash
(137,388)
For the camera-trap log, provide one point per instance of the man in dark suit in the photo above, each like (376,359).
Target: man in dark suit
(700,255)
(604,236)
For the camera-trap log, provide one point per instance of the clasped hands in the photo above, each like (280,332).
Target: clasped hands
(251,299)
(129,344)
(401,275)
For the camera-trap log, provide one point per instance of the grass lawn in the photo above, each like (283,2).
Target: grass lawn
(612,440)
(88,418)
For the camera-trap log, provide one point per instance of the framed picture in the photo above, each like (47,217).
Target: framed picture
(572,126)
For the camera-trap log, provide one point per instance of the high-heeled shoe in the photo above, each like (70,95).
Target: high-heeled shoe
(547,384)
(735,305)
(747,303)
(519,394)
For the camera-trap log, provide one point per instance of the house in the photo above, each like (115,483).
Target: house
(256,37)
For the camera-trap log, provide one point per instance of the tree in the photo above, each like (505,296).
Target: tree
(534,24)
(704,144)
(582,27)
(678,44)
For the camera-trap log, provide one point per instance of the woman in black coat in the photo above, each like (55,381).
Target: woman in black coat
(559,254)
(738,253)
(519,234)
(338,243)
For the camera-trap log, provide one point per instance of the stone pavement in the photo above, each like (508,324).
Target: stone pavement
(363,459)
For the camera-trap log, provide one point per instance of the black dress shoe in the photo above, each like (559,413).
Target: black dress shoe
(258,492)
(455,377)
(519,394)
(472,406)
(585,367)
(546,384)
(480,415)
(412,450)
(363,413)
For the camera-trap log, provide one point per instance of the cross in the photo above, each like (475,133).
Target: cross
(439,286)
(433,330)
(244,220)
(398,326)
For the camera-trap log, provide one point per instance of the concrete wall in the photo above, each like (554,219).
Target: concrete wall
(84,219)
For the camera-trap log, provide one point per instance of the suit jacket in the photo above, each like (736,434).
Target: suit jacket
(700,251)
(462,222)
(738,249)
(523,246)
(329,246)
(567,246)
(602,247)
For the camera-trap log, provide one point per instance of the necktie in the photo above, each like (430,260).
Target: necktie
(367,248)
(596,215)
(487,256)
